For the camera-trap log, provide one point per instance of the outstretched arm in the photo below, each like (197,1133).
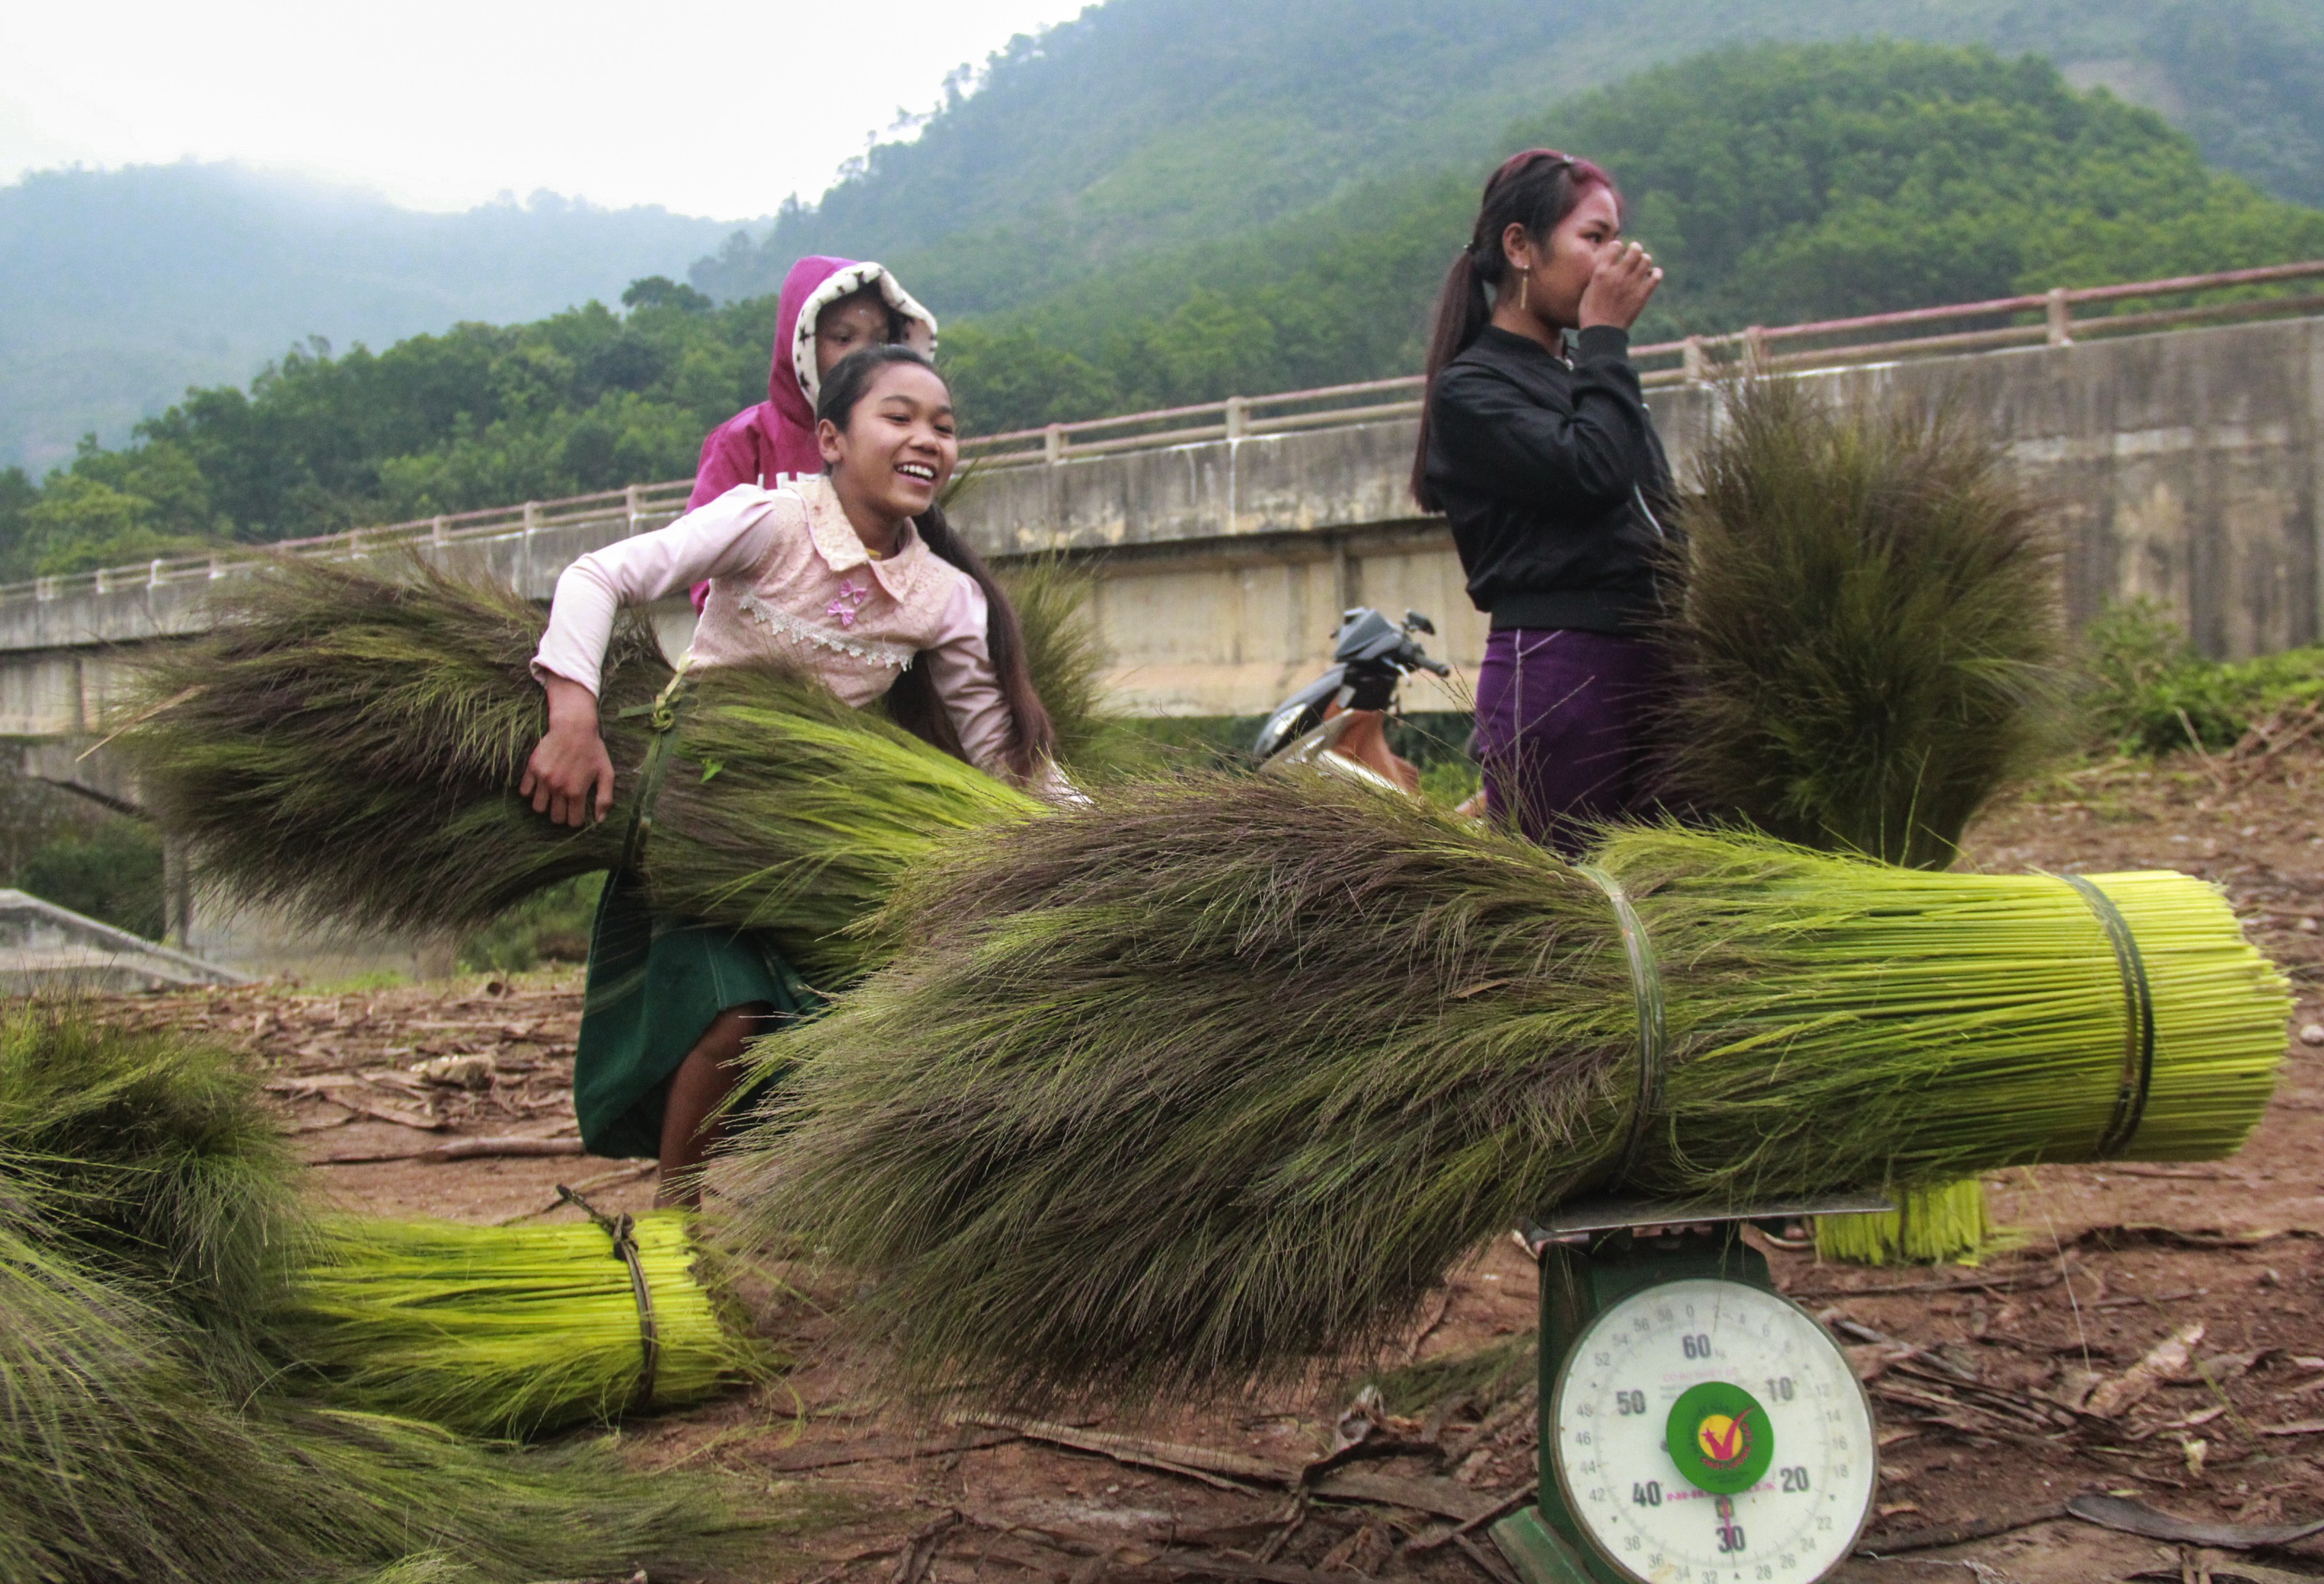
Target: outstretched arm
(570,777)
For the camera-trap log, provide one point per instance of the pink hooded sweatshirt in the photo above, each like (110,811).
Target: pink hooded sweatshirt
(775,440)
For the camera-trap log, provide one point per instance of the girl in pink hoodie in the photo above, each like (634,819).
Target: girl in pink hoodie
(829,309)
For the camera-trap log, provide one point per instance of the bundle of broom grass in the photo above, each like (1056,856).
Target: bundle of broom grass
(1867,647)
(1234,1069)
(347,745)
(148,1220)
(508,1331)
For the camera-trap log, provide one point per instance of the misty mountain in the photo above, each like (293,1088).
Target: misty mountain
(1149,124)
(125,287)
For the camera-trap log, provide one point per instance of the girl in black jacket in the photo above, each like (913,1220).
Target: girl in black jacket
(1536,445)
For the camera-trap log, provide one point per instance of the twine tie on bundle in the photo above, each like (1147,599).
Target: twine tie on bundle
(622,1230)
(2138,1025)
(1646,989)
(663,718)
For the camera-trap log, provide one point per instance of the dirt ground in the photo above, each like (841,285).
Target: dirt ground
(2156,1332)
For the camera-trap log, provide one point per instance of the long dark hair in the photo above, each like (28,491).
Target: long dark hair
(1537,189)
(912,703)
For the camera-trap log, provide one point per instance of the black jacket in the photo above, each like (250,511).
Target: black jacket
(1554,479)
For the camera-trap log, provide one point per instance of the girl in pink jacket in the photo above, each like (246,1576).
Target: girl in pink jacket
(850,573)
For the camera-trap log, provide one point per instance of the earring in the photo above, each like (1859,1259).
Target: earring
(1524,290)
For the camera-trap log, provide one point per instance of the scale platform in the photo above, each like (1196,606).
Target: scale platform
(1697,1427)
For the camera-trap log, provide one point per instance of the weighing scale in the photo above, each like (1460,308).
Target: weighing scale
(1697,1427)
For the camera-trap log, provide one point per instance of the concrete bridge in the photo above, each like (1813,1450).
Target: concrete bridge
(2185,466)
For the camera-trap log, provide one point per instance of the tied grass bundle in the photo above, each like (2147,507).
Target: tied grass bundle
(1866,648)
(1234,1069)
(1929,1226)
(346,745)
(505,1331)
(148,1218)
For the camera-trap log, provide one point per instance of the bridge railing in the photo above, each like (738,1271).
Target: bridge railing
(2056,317)
(633,509)
(2036,319)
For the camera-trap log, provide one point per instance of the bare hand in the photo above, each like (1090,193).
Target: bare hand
(1617,292)
(570,771)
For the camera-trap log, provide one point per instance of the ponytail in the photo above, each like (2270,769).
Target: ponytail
(1537,189)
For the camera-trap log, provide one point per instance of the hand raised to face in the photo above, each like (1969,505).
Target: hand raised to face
(1625,278)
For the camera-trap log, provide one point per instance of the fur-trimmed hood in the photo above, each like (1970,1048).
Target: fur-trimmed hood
(814,284)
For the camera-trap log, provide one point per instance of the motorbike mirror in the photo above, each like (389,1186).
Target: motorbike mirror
(1414,621)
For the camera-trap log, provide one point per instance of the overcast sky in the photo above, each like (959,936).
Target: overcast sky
(708,107)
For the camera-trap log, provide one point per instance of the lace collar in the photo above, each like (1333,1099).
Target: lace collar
(902,574)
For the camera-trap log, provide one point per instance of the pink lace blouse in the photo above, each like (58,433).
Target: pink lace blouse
(790,580)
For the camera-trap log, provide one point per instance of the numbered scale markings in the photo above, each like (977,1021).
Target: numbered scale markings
(1709,1433)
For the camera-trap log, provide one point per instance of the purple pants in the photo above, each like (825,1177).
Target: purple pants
(1561,729)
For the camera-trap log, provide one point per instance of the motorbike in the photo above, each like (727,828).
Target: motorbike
(1339,722)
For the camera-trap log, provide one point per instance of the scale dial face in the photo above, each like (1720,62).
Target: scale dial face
(1709,1433)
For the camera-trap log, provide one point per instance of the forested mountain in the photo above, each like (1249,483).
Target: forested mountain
(1158,122)
(124,287)
(1775,181)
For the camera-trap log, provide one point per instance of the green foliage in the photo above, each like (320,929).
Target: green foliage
(2252,80)
(1450,783)
(661,291)
(67,849)
(2149,692)
(1237,1067)
(551,926)
(112,874)
(1786,182)
(1145,125)
(1010,379)
(112,508)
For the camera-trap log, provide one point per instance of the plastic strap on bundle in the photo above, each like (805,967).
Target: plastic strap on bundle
(1646,988)
(663,712)
(2138,1024)
(623,1231)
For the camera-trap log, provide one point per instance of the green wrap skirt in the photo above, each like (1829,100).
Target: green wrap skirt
(655,984)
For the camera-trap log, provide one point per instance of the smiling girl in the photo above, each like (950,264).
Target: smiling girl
(1536,444)
(852,576)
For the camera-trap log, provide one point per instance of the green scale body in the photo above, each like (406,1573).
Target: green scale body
(1696,1426)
